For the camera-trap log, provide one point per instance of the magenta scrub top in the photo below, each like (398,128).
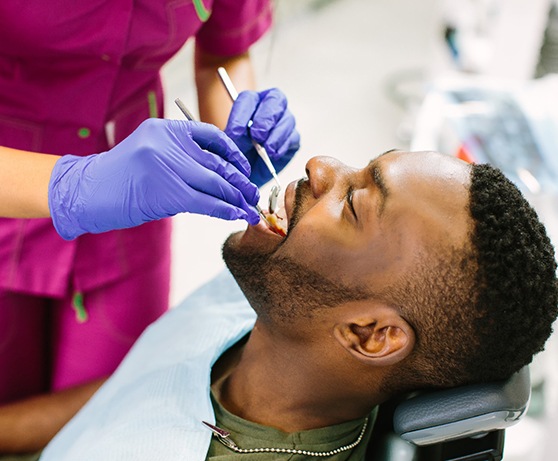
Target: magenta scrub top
(77,77)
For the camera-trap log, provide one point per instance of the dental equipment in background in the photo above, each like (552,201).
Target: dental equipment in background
(191,118)
(227,82)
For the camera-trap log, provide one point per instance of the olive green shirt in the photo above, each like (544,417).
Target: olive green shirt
(251,435)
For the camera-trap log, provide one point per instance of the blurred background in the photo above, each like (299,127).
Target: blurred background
(473,78)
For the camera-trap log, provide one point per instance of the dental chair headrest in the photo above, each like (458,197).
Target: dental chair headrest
(464,411)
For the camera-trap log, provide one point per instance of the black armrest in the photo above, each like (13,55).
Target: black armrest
(462,412)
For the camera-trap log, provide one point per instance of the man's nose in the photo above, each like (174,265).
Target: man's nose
(322,173)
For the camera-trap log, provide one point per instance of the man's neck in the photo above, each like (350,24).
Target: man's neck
(281,387)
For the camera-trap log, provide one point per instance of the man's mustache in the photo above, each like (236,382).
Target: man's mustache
(301,191)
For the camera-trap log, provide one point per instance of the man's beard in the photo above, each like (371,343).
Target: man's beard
(281,289)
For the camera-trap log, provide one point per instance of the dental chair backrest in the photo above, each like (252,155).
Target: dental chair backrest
(462,412)
(464,423)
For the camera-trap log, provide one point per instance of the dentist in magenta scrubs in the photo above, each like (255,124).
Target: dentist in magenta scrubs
(82,80)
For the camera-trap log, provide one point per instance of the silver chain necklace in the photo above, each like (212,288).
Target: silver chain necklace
(224,437)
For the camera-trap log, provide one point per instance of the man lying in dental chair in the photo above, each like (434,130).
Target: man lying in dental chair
(417,271)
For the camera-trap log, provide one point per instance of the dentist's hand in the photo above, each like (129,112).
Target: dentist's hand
(163,168)
(273,127)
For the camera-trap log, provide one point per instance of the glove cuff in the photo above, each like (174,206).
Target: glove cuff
(63,196)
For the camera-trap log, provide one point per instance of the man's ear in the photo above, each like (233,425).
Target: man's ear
(378,336)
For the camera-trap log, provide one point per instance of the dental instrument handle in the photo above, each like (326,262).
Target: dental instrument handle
(227,82)
(262,215)
(265,157)
(184,110)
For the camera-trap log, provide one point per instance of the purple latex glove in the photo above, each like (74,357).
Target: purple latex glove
(273,126)
(163,168)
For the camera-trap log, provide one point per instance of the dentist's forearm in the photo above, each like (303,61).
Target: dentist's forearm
(28,425)
(213,101)
(24,179)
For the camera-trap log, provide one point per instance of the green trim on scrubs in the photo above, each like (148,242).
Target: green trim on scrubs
(79,307)
(152,102)
(202,12)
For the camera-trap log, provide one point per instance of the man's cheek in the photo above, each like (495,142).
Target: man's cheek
(310,249)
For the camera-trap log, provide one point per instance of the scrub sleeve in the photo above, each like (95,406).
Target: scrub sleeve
(77,81)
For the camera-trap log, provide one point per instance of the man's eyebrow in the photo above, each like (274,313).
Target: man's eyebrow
(376,173)
(387,152)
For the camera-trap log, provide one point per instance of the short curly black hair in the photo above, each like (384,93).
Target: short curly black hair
(483,311)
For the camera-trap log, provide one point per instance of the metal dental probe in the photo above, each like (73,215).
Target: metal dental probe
(184,110)
(227,82)
(191,118)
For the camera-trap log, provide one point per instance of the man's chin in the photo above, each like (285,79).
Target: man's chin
(245,248)
(248,265)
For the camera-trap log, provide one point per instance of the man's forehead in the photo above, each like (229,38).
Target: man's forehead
(430,163)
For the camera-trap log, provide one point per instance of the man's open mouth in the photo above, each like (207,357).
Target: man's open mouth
(277,223)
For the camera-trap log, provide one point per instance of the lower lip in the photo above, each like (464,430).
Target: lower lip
(264,228)
(260,237)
